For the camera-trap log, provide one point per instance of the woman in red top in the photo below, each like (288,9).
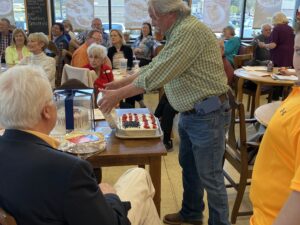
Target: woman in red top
(97,54)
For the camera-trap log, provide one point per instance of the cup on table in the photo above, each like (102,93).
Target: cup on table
(136,64)
(123,66)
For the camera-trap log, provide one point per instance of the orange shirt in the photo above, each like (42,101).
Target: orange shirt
(80,56)
(277,166)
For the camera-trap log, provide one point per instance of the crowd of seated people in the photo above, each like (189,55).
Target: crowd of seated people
(40,185)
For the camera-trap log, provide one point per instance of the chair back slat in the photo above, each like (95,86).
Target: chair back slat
(237,128)
(86,76)
(240,60)
(6,219)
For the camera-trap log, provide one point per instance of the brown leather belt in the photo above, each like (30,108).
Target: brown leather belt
(222,98)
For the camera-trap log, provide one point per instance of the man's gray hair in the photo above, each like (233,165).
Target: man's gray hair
(168,6)
(265,25)
(25,90)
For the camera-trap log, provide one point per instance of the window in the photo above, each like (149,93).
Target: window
(101,10)
(288,7)
(237,15)
(19,14)
(236,8)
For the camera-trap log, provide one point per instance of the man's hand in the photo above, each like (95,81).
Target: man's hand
(107,189)
(285,72)
(261,44)
(110,99)
(116,84)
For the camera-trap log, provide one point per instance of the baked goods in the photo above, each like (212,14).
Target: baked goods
(82,142)
(81,119)
(132,124)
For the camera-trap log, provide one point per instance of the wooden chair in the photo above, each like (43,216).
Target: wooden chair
(237,154)
(6,219)
(239,61)
(246,48)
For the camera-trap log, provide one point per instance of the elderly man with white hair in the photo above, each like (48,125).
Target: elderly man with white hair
(40,185)
(261,55)
(191,71)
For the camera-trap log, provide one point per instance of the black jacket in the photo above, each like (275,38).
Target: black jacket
(42,186)
(127,51)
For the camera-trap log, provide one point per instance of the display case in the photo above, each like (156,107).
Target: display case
(75,111)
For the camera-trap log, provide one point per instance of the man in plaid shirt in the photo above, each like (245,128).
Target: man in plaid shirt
(5,37)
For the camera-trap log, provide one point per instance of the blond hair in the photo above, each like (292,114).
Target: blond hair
(120,35)
(279,18)
(14,34)
(40,37)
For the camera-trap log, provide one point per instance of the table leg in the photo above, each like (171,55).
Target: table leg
(240,89)
(155,173)
(257,95)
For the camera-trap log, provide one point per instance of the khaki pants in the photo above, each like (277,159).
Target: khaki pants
(135,185)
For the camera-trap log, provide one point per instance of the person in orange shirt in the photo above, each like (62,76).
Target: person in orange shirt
(275,189)
(80,56)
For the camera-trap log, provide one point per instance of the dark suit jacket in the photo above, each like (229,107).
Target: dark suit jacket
(40,185)
(127,51)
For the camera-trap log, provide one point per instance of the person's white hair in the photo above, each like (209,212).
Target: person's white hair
(25,90)
(40,37)
(97,50)
(168,6)
(279,18)
(263,26)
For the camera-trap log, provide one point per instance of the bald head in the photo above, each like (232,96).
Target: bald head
(97,24)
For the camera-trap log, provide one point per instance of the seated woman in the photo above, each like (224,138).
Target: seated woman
(232,43)
(116,53)
(119,50)
(58,36)
(97,54)
(18,49)
(37,43)
(143,45)
(69,30)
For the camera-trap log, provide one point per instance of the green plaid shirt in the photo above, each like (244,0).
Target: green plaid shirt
(189,67)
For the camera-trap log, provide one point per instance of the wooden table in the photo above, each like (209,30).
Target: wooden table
(121,152)
(264,113)
(259,81)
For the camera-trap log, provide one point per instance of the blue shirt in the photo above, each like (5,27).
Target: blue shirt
(232,47)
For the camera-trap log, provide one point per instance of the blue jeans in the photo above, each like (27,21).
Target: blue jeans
(201,153)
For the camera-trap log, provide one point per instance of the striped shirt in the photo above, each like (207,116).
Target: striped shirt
(189,67)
